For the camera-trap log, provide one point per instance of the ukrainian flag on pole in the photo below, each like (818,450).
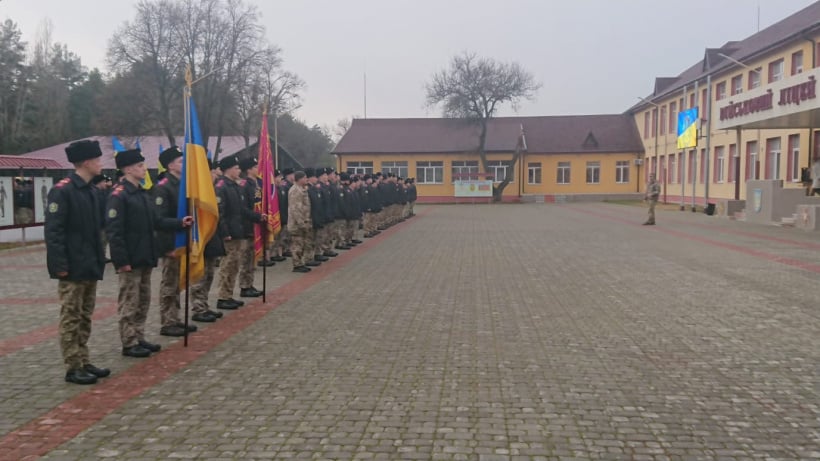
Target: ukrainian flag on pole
(196,198)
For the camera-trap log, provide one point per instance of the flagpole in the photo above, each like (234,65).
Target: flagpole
(187,102)
(265,200)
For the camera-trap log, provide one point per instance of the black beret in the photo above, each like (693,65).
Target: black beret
(367,176)
(321,171)
(247,163)
(344,176)
(310,172)
(83,150)
(287,171)
(298,175)
(169,155)
(128,158)
(229,162)
(97,179)
(277,172)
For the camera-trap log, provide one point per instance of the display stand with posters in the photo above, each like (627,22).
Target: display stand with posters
(41,188)
(6,201)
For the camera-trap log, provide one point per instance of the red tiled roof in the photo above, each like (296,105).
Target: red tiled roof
(29,163)
(150,149)
(790,28)
(555,134)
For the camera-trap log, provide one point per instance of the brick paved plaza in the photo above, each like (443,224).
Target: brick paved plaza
(504,332)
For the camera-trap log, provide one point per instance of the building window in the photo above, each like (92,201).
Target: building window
(732,162)
(720,161)
(737,85)
(794,158)
(646,125)
(500,169)
(754,78)
(720,91)
(692,100)
(430,172)
(465,170)
(397,168)
(563,173)
(534,173)
(593,172)
(670,174)
(680,167)
(663,120)
(752,165)
(776,71)
(690,169)
(673,115)
(702,166)
(621,171)
(360,167)
(797,63)
(773,158)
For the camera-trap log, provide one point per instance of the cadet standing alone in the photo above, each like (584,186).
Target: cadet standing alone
(75,257)
(653,191)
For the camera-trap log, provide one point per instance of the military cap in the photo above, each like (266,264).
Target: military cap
(367,176)
(128,158)
(98,179)
(247,163)
(229,162)
(83,150)
(310,172)
(277,172)
(287,171)
(169,155)
(321,171)
(344,176)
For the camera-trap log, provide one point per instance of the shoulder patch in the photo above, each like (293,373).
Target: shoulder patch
(220,183)
(62,182)
(163,181)
(53,207)
(242,182)
(158,200)
(118,190)
(112,213)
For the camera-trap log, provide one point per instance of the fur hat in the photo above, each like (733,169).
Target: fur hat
(169,155)
(83,150)
(128,158)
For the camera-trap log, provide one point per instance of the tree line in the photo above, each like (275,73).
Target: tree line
(48,97)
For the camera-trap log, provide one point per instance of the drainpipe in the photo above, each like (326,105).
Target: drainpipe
(708,138)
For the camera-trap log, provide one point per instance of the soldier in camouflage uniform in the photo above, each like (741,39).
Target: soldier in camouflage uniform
(253,195)
(300,224)
(282,241)
(653,191)
(75,257)
(130,223)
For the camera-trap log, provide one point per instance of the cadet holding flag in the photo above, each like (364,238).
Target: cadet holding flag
(166,195)
(75,257)
(130,224)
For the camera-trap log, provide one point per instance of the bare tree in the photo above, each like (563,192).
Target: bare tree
(473,88)
(151,40)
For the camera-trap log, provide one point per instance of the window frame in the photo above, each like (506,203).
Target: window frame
(396,169)
(622,172)
(594,167)
(563,173)
(494,165)
(461,168)
(361,167)
(429,165)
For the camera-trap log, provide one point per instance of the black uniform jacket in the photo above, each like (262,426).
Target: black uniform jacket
(73,231)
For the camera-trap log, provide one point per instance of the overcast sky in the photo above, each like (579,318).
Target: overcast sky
(592,56)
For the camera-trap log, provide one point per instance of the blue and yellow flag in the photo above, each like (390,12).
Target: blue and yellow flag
(688,128)
(197,198)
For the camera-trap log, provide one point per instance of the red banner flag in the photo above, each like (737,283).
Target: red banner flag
(268,202)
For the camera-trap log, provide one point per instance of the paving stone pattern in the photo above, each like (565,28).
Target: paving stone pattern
(484,332)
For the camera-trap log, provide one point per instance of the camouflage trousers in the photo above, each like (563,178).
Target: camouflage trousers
(77,299)
(246,260)
(229,268)
(169,292)
(300,246)
(653,202)
(321,240)
(340,226)
(201,288)
(405,211)
(282,241)
(412,206)
(133,303)
(369,222)
(350,228)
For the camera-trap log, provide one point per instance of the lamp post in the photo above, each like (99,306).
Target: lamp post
(657,133)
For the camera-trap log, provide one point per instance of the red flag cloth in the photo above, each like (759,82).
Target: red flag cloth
(268,202)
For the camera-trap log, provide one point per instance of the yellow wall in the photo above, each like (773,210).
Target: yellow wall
(549,165)
(665,144)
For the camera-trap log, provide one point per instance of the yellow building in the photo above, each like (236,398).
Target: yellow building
(758,112)
(567,157)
